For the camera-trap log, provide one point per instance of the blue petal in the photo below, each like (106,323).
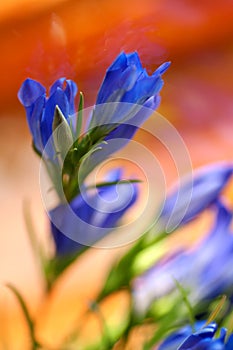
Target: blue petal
(30,91)
(229,345)
(144,88)
(34,116)
(114,175)
(194,339)
(128,78)
(200,340)
(118,202)
(59,83)
(208,344)
(162,69)
(98,214)
(173,341)
(111,79)
(134,60)
(71,91)
(193,197)
(64,245)
(120,63)
(57,98)
(125,131)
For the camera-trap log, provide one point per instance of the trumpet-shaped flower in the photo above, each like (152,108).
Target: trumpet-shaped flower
(195,195)
(40,110)
(202,339)
(127,87)
(205,272)
(126,99)
(90,217)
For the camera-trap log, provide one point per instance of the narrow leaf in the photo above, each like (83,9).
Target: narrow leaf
(216,310)
(80,116)
(187,303)
(111,183)
(35,344)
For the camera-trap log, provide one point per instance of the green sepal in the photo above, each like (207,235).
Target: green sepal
(62,134)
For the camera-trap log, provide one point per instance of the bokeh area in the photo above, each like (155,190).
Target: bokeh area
(78,39)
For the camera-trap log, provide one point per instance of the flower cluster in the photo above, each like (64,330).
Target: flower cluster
(53,125)
(71,144)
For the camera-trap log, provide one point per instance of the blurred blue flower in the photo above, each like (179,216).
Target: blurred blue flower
(40,109)
(204,272)
(91,216)
(202,339)
(195,194)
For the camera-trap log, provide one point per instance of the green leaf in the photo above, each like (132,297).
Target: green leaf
(79,116)
(217,310)
(111,183)
(186,301)
(35,344)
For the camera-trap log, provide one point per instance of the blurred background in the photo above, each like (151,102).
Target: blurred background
(78,39)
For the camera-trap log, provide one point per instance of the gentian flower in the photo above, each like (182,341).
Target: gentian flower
(202,339)
(97,213)
(126,99)
(195,194)
(204,272)
(40,109)
(127,84)
(127,81)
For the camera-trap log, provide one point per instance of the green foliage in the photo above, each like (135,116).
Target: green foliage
(29,321)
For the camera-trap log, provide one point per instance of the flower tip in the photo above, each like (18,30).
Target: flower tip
(29,91)
(162,69)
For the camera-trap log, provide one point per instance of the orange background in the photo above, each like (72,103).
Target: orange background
(79,39)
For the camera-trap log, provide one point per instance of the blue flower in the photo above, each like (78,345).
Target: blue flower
(195,195)
(40,109)
(127,82)
(202,339)
(204,272)
(126,99)
(90,217)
